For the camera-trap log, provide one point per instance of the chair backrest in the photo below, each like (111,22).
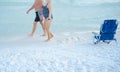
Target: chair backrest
(109,26)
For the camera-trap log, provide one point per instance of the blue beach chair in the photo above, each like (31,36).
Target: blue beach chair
(107,32)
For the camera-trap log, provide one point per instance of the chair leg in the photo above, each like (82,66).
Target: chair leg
(108,41)
(97,42)
(115,40)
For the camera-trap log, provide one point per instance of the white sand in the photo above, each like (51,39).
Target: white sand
(67,52)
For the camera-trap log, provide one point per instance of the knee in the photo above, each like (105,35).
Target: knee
(41,17)
(34,23)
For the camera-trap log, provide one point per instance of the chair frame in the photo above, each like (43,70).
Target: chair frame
(97,36)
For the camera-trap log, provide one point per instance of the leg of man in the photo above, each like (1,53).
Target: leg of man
(41,17)
(33,29)
(42,24)
(44,30)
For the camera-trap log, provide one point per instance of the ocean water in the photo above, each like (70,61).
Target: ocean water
(67,17)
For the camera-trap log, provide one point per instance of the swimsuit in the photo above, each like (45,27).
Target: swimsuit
(37,18)
(46,12)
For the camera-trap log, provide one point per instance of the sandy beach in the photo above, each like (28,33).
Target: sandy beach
(73,53)
(72,48)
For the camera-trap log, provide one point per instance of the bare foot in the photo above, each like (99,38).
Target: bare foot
(30,35)
(49,38)
(51,35)
(43,35)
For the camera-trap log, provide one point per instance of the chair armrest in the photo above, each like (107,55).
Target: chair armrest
(96,34)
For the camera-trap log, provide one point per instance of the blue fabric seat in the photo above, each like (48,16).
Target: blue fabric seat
(107,31)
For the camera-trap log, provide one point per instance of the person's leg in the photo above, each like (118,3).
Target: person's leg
(33,29)
(49,24)
(44,30)
(42,24)
(47,27)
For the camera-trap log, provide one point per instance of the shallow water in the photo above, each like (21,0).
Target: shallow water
(67,17)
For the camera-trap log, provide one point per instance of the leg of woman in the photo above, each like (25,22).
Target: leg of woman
(47,26)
